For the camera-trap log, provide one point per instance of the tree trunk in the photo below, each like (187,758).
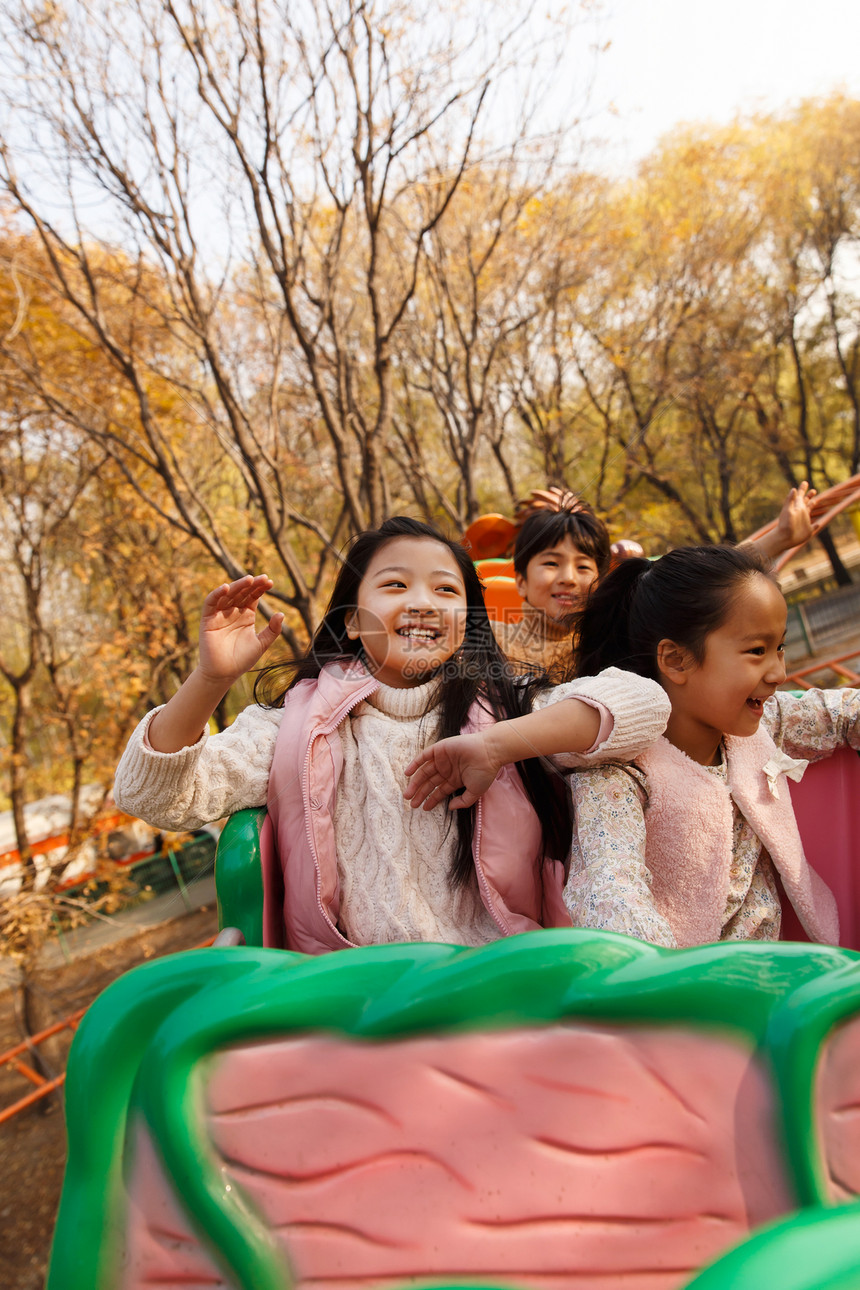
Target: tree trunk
(840,573)
(17,781)
(32,1018)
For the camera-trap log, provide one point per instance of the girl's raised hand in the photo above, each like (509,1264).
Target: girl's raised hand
(795,524)
(229,645)
(462,762)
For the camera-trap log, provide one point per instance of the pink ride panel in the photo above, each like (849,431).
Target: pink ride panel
(569,1157)
(838,1105)
(825,803)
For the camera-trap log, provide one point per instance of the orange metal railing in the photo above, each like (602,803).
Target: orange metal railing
(837,665)
(14,1057)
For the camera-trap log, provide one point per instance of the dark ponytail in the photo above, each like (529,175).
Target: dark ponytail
(683,597)
(603,628)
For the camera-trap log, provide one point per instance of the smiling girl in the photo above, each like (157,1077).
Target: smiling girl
(694,840)
(560,552)
(702,844)
(404,655)
(563,549)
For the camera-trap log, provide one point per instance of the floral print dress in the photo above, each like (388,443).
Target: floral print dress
(609,886)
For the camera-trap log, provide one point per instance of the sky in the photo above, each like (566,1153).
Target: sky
(671,61)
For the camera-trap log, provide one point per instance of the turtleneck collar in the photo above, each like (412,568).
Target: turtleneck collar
(407,703)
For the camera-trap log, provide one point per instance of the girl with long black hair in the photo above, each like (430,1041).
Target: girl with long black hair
(404,655)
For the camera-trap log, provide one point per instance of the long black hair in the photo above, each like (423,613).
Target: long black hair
(479,669)
(682,597)
(546,528)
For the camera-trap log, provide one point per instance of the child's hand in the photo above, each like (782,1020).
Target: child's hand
(462,762)
(229,645)
(795,524)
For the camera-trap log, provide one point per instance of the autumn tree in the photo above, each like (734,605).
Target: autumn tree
(99,598)
(35,508)
(561,430)
(98,618)
(807,188)
(483,263)
(709,347)
(275,176)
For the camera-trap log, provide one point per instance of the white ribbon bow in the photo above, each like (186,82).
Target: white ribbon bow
(781,764)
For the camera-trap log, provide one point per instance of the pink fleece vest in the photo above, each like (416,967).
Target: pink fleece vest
(689,835)
(300,884)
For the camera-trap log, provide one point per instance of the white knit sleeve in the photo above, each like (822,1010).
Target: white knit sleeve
(639,709)
(216,776)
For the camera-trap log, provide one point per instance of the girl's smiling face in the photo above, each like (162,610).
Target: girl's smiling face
(558,579)
(411,611)
(743,663)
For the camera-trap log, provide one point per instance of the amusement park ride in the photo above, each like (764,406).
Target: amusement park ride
(562,1110)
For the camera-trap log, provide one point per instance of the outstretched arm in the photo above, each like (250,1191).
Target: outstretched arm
(471,762)
(626,713)
(794,526)
(813,725)
(229,646)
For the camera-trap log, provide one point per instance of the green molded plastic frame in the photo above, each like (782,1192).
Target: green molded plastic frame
(239,875)
(141,1053)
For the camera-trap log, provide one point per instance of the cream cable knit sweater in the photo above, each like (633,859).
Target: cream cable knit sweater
(223,773)
(393,862)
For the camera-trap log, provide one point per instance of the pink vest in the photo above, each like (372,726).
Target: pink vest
(689,827)
(300,882)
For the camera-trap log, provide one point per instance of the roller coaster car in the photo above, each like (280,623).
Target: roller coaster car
(563,1110)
